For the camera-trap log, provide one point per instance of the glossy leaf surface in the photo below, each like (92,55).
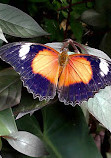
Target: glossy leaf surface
(66,134)
(7,122)
(100,106)
(17,23)
(28,105)
(10,88)
(2,37)
(27,144)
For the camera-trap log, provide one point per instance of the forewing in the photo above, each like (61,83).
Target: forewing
(82,77)
(37,64)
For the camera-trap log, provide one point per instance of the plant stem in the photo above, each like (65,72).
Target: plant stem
(68,18)
(73,4)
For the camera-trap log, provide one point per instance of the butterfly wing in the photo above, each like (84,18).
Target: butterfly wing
(82,77)
(37,64)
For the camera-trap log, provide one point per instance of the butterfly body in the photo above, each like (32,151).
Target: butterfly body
(63,57)
(45,71)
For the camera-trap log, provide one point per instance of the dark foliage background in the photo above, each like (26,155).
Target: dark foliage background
(87,22)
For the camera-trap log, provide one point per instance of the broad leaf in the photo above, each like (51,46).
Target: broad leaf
(100,106)
(7,122)
(56,45)
(17,23)
(0,144)
(105,44)
(28,105)
(10,88)
(52,27)
(93,18)
(108,155)
(29,124)
(27,144)
(2,37)
(95,52)
(103,6)
(86,113)
(66,134)
(37,1)
(77,28)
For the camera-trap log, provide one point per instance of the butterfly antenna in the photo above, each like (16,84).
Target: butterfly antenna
(70,42)
(74,44)
(80,46)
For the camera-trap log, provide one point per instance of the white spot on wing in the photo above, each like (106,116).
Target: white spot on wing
(24,50)
(102,74)
(104,67)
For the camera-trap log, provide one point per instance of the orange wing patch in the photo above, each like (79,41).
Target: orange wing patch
(46,64)
(77,70)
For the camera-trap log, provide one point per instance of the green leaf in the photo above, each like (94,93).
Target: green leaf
(2,37)
(105,44)
(38,1)
(108,155)
(10,88)
(93,18)
(28,105)
(0,144)
(77,10)
(95,52)
(4,1)
(29,124)
(77,29)
(7,122)
(52,26)
(99,106)
(27,143)
(56,45)
(66,134)
(17,23)
(102,5)
(86,113)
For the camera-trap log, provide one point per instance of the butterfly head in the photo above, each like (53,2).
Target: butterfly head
(77,48)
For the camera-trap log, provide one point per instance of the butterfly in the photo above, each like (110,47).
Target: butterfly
(46,71)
